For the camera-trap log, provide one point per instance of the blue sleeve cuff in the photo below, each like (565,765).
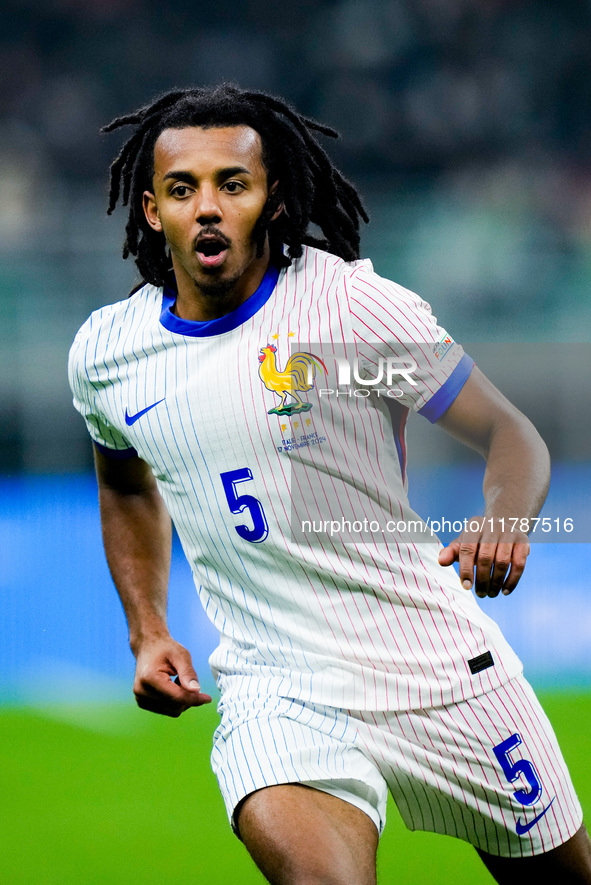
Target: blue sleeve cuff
(444,397)
(116,454)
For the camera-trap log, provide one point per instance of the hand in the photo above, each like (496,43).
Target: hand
(156,662)
(497,556)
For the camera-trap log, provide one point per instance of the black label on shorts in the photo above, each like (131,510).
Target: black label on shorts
(482,662)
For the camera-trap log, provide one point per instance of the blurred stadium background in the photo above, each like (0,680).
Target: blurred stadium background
(466,125)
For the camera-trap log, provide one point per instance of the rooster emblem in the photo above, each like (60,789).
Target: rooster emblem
(299,374)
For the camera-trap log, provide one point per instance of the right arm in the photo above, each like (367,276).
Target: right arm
(137,537)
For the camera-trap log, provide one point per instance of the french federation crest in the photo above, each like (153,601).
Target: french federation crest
(298,376)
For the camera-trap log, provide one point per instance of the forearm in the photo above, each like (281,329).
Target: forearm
(137,534)
(494,550)
(517,472)
(137,538)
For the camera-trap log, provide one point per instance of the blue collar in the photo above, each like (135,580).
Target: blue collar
(222,324)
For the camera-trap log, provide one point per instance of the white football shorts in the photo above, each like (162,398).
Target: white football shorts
(487,770)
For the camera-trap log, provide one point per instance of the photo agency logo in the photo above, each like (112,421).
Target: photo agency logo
(392,376)
(358,371)
(359,381)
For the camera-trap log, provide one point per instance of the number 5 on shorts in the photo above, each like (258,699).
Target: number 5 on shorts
(238,503)
(512,770)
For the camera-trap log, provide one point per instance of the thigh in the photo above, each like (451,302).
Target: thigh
(266,741)
(297,834)
(487,770)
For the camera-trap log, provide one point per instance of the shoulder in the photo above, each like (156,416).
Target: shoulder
(367,287)
(359,278)
(121,312)
(99,335)
(315,264)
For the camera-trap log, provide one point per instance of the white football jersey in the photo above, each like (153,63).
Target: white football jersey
(276,436)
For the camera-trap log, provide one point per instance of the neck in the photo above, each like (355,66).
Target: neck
(200,303)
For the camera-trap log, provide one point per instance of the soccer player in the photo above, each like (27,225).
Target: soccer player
(255,388)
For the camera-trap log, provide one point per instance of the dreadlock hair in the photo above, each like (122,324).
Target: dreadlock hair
(311,189)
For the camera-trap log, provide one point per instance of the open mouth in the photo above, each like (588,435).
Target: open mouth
(211,251)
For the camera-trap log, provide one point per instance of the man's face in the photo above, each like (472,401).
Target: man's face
(209,189)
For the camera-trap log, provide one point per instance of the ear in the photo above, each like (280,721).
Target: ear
(151,211)
(281,206)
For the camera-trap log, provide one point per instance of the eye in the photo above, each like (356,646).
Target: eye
(180,190)
(233,187)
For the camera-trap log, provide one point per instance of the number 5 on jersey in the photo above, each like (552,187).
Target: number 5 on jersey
(238,503)
(512,770)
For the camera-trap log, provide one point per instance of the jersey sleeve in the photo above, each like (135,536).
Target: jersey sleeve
(106,437)
(400,344)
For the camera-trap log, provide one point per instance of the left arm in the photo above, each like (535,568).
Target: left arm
(515,484)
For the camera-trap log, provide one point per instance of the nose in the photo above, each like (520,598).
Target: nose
(208,209)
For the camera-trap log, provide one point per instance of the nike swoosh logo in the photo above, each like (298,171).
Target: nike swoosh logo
(131,419)
(520,828)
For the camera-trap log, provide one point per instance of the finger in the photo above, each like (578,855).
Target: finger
(500,566)
(518,560)
(160,706)
(194,688)
(448,555)
(160,702)
(187,678)
(161,687)
(484,564)
(467,559)
(169,701)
